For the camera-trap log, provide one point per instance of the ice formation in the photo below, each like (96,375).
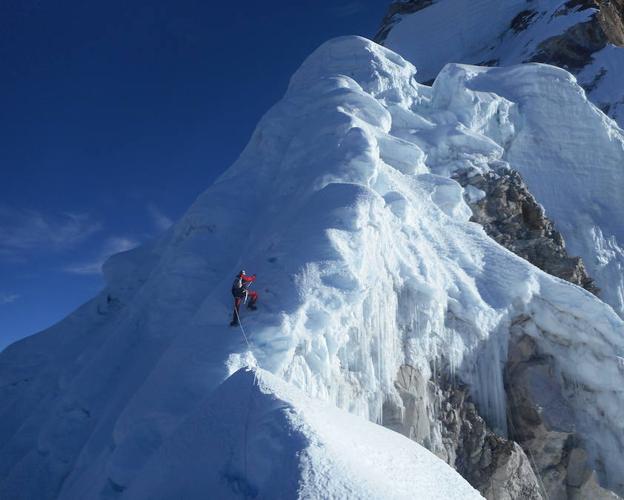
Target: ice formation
(432,33)
(366,260)
(274,442)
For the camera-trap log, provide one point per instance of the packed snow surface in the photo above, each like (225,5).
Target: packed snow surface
(366,260)
(259,437)
(505,33)
(568,152)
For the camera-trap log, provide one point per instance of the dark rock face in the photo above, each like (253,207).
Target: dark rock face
(606,26)
(523,20)
(542,458)
(542,422)
(611,18)
(512,217)
(395,10)
(440,415)
(574,48)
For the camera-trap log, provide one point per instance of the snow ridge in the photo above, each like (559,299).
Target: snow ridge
(576,36)
(366,261)
(275,442)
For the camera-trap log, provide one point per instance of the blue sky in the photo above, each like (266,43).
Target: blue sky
(116,115)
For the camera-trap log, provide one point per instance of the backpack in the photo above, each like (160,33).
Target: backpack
(238,287)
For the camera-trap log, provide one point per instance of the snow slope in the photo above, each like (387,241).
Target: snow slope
(366,260)
(511,32)
(274,442)
(569,154)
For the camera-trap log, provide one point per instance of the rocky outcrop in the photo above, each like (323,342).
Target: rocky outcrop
(542,422)
(512,217)
(611,18)
(543,457)
(607,25)
(394,13)
(537,33)
(574,48)
(440,415)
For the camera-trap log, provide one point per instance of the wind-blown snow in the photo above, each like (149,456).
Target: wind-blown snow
(478,31)
(570,155)
(366,260)
(451,31)
(274,442)
(604,79)
(490,32)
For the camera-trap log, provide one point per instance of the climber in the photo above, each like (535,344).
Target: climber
(241,292)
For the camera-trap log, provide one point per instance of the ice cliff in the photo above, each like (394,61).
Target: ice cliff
(369,269)
(585,37)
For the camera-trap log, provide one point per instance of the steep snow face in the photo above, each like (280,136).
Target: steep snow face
(275,442)
(343,205)
(569,153)
(570,34)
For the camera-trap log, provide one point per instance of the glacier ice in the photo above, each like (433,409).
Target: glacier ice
(366,260)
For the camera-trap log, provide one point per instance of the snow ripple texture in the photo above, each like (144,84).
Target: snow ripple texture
(484,32)
(274,442)
(366,260)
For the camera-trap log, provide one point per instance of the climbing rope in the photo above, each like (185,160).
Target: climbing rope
(249,405)
(241,328)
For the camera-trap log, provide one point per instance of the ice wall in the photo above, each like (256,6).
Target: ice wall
(366,260)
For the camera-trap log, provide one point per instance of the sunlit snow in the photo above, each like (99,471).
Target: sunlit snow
(366,260)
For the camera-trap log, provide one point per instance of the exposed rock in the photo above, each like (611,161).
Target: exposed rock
(534,394)
(543,456)
(512,217)
(607,25)
(591,489)
(513,477)
(574,48)
(570,45)
(497,467)
(523,20)
(395,10)
(542,422)
(576,5)
(611,18)
(440,415)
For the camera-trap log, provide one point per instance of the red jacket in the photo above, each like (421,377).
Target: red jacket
(241,283)
(247,279)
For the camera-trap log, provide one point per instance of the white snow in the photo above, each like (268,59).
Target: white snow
(366,260)
(570,155)
(604,77)
(480,32)
(275,442)
(451,31)
(477,31)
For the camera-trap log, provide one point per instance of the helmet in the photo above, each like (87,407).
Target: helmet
(242,272)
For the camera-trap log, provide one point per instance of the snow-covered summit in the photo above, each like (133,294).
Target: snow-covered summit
(582,36)
(366,262)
